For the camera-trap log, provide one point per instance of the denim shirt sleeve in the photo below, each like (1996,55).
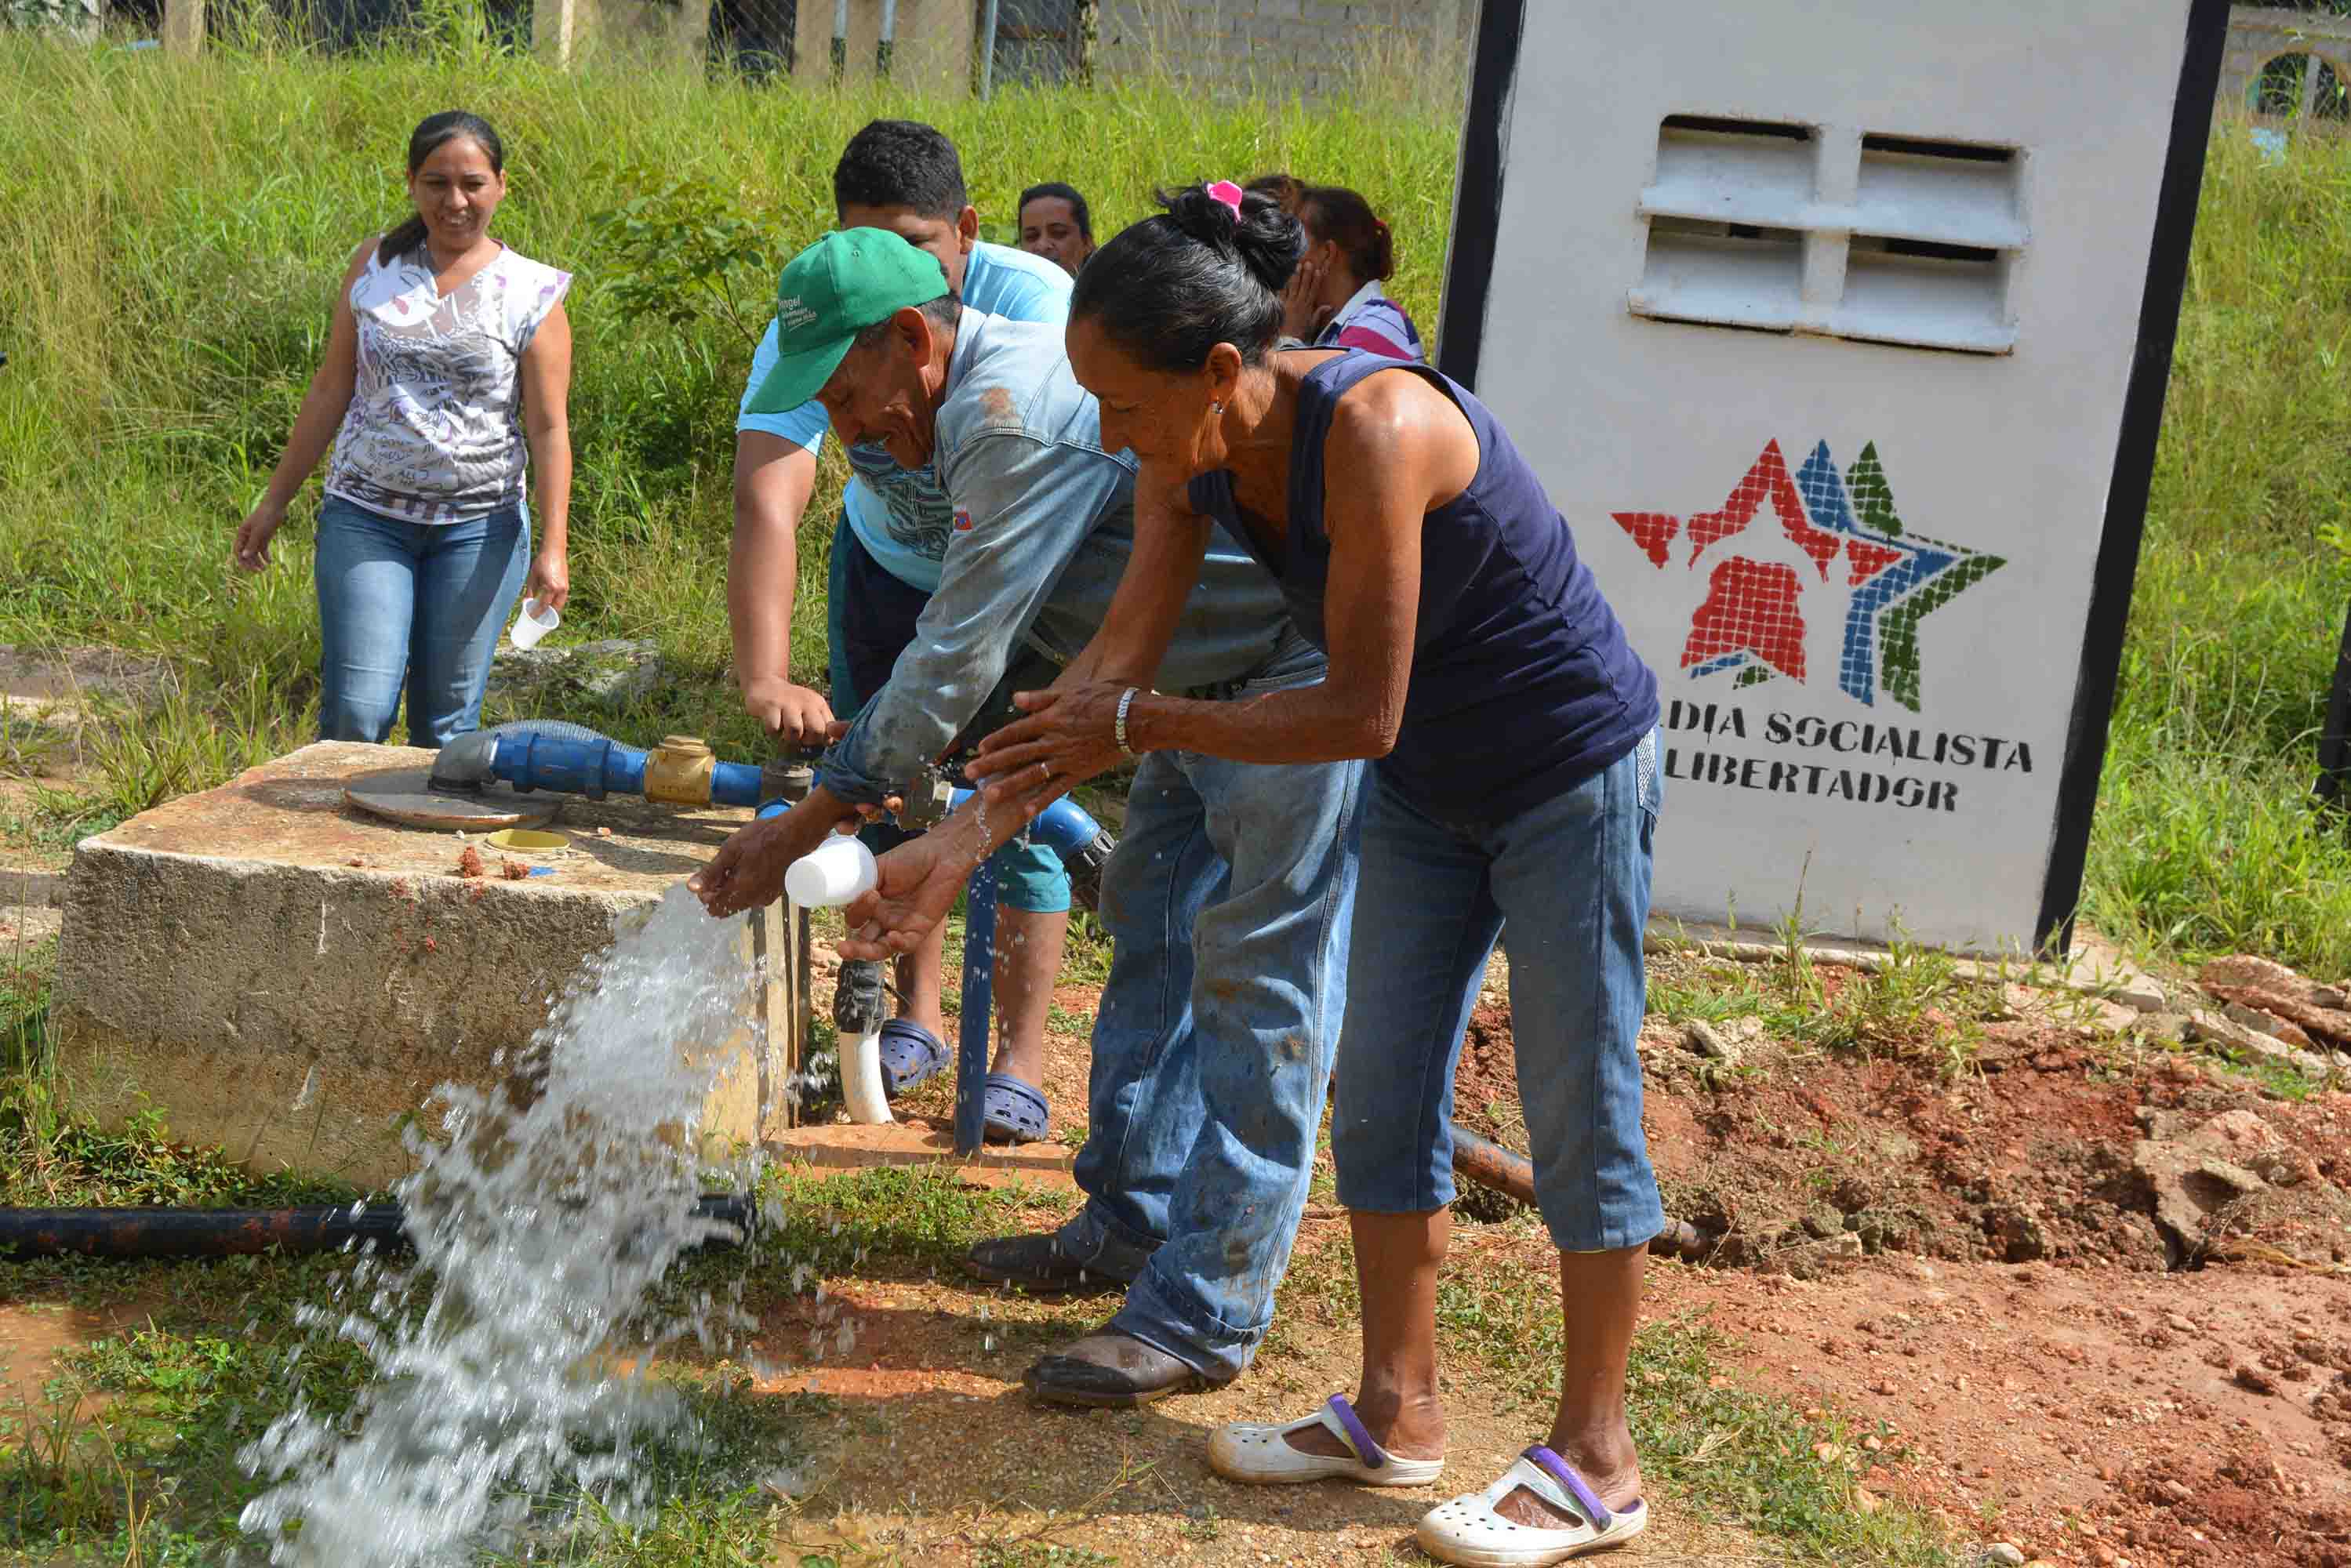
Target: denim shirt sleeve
(1023,506)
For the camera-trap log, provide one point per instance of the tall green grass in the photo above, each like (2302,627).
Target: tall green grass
(2206,839)
(175,227)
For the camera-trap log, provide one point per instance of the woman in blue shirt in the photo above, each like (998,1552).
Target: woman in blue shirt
(1472,655)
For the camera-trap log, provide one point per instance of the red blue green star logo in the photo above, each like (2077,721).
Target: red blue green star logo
(1751,620)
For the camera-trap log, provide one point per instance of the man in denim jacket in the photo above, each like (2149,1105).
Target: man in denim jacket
(1227,900)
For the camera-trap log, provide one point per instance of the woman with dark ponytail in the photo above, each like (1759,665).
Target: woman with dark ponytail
(1516,779)
(447,377)
(1334,299)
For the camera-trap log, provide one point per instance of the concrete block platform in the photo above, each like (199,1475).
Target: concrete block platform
(288,978)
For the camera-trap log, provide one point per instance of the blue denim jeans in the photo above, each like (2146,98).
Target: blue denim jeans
(1227,902)
(412,604)
(1572,878)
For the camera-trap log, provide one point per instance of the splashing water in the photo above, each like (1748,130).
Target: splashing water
(540,1230)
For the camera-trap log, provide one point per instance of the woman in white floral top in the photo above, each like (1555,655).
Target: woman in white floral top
(446,378)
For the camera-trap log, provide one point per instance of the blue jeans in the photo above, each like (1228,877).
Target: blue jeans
(1227,902)
(413,604)
(1572,878)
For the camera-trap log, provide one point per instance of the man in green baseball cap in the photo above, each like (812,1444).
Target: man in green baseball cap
(830,295)
(1037,526)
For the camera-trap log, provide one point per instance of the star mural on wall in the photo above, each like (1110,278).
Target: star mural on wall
(1751,620)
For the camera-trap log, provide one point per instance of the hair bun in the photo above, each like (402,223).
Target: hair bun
(1261,236)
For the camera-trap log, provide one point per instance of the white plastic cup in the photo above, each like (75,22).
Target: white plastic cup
(536,620)
(838,872)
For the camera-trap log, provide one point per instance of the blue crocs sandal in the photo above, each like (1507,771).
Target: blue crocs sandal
(911,1055)
(1016,1113)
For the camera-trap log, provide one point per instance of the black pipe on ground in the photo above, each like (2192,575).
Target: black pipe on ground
(123,1233)
(224,1232)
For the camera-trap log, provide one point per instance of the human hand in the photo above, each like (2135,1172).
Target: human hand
(1071,735)
(748,872)
(250,552)
(795,714)
(915,885)
(1301,299)
(551,577)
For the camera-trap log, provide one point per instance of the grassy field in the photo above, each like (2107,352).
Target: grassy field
(174,229)
(2205,838)
(178,230)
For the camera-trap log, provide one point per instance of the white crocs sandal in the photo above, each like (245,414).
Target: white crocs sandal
(1467,1531)
(1262,1456)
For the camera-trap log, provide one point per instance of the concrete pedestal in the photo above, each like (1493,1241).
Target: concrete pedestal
(283,975)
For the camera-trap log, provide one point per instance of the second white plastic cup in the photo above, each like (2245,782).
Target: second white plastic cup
(536,620)
(835,873)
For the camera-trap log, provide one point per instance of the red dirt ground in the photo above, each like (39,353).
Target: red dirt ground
(1973,1261)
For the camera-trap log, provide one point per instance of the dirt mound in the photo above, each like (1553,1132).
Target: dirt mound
(2241,1507)
(2053,1142)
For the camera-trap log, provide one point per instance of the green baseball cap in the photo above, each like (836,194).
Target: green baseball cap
(844,283)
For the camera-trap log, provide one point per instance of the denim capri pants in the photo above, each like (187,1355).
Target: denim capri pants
(1571,876)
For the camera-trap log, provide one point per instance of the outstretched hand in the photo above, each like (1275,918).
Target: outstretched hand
(1068,736)
(914,886)
(747,872)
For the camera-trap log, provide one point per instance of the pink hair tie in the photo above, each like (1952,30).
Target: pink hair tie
(1225,191)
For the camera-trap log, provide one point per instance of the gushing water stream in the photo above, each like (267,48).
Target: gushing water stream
(540,1230)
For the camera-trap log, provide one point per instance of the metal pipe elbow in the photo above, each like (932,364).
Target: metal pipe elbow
(467,760)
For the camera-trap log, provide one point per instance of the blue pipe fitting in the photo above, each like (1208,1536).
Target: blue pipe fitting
(594,766)
(734,784)
(1069,831)
(978,1010)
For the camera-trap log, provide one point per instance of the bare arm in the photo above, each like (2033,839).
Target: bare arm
(773,481)
(1397,448)
(547,425)
(323,407)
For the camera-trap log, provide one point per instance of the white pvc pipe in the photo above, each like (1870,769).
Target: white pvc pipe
(860,1082)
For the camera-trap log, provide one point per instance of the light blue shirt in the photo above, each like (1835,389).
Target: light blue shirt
(901,516)
(1042,523)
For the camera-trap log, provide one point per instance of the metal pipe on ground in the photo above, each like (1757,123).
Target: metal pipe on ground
(226,1233)
(1490,1166)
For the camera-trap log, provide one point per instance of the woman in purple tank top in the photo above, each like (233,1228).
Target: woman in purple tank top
(1472,655)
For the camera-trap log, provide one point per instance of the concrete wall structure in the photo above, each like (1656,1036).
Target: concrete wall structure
(287,977)
(1314,48)
(561,29)
(2259,35)
(1733,301)
(933,46)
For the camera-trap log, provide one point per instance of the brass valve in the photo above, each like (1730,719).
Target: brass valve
(678,771)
